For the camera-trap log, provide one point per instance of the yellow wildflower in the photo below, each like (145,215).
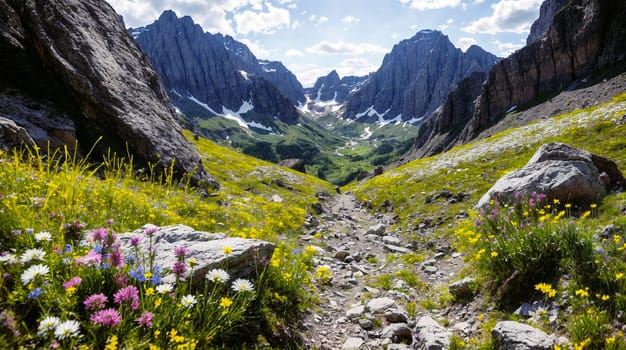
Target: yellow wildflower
(148,275)
(617,238)
(71,290)
(157,302)
(585,214)
(324,273)
(557,347)
(568,205)
(192,262)
(481,317)
(228,250)
(581,345)
(149,291)
(594,205)
(605,297)
(111,343)
(583,293)
(610,340)
(310,250)
(494,254)
(619,275)
(225,302)
(157,333)
(546,289)
(153,347)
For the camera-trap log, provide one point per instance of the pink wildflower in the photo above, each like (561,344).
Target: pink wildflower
(106,317)
(145,319)
(95,301)
(72,282)
(150,231)
(130,294)
(99,234)
(179,268)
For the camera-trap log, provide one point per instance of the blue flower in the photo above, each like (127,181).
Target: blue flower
(98,249)
(30,231)
(130,258)
(34,293)
(156,275)
(138,274)
(68,248)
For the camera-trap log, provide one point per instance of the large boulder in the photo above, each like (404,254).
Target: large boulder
(511,335)
(206,248)
(431,335)
(77,56)
(560,172)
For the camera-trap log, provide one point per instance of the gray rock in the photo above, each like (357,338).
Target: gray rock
(341,255)
(380,305)
(525,310)
(355,312)
(431,335)
(465,328)
(96,72)
(391,240)
(547,11)
(511,335)
(396,249)
(559,171)
(430,269)
(396,316)
(206,248)
(398,333)
(294,163)
(331,88)
(378,229)
(12,135)
(462,289)
(366,324)
(352,343)
(395,346)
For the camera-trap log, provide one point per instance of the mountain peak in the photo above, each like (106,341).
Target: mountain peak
(168,16)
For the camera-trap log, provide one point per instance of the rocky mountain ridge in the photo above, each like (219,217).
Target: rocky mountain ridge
(583,45)
(332,88)
(209,75)
(415,78)
(71,72)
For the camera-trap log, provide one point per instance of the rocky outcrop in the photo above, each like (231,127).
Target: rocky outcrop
(511,335)
(206,248)
(560,172)
(209,75)
(586,40)
(415,79)
(438,132)
(294,163)
(331,88)
(284,80)
(548,10)
(77,56)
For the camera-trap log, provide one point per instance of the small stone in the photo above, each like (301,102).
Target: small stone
(341,255)
(379,305)
(396,249)
(429,262)
(464,328)
(430,269)
(398,347)
(391,240)
(439,255)
(355,312)
(525,310)
(462,289)
(352,343)
(396,316)
(373,291)
(366,324)
(277,199)
(398,333)
(341,320)
(456,255)
(378,229)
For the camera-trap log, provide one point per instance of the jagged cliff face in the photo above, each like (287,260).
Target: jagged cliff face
(546,15)
(587,40)
(213,75)
(331,88)
(83,62)
(284,80)
(415,78)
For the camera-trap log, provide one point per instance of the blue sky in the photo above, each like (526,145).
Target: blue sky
(352,36)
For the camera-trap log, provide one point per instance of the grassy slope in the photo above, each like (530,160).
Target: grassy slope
(474,167)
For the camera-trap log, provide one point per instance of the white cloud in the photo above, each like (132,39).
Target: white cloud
(343,48)
(355,66)
(479,1)
(322,19)
(295,24)
(425,5)
(465,43)
(262,22)
(294,53)
(350,20)
(256,47)
(506,49)
(312,18)
(514,16)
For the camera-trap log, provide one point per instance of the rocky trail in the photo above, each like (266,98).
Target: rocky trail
(377,297)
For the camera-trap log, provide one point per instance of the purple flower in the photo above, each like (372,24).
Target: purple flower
(145,319)
(116,259)
(127,294)
(135,241)
(180,252)
(95,301)
(106,317)
(179,268)
(99,234)
(72,282)
(92,258)
(150,231)
(109,222)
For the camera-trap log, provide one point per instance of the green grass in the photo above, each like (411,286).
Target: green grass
(64,196)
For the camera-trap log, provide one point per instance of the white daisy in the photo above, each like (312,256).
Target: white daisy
(242,285)
(32,254)
(48,324)
(218,276)
(164,288)
(8,259)
(33,272)
(188,301)
(43,236)
(67,329)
